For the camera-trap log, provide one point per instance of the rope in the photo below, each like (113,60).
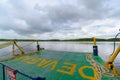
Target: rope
(6,44)
(15,57)
(102,70)
(27,45)
(8,53)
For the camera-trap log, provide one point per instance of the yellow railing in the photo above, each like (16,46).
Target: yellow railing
(110,64)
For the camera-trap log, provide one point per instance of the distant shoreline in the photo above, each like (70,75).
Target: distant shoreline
(53,40)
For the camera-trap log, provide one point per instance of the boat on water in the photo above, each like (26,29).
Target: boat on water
(56,65)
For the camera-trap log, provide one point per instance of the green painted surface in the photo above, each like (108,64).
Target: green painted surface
(58,65)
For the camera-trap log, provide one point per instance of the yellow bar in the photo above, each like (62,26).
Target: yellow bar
(13,50)
(37,42)
(94,39)
(20,48)
(114,54)
(6,44)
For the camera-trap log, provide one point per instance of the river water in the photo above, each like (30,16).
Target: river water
(105,49)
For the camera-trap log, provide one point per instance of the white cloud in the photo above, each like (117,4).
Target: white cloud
(10,34)
(60,19)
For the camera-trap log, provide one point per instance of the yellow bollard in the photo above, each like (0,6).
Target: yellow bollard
(94,39)
(95,48)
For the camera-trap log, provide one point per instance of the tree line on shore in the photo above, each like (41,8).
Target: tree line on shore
(80,39)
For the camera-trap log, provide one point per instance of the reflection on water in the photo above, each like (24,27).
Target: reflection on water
(105,49)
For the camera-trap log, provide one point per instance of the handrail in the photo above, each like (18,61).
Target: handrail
(22,73)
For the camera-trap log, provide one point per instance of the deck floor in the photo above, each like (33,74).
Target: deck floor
(60,65)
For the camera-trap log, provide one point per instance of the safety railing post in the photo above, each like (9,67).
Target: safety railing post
(3,72)
(38,46)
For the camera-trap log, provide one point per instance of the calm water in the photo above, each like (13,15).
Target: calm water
(105,49)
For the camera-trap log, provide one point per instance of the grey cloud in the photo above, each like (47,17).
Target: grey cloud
(114,14)
(93,4)
(51,18)
(63,13)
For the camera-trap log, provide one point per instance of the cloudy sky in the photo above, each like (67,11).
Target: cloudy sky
(59,19)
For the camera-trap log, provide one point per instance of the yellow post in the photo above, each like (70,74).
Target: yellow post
(13,49)
(37,42)
(95,48)
(94,39)
(109,64)
(20,48)
(114,54)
